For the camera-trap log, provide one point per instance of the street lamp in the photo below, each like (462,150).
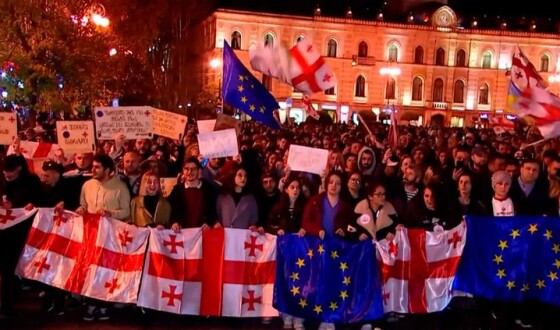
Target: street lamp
(215,63)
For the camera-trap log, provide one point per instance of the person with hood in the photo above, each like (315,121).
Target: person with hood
(367,161)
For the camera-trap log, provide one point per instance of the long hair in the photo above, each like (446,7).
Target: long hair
(144,183)
(228,186)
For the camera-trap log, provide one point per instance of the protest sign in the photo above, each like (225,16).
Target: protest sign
(218,144)
(8,127)
(168,124)
(205,126)
(76,136)
(306,159)
(133,122)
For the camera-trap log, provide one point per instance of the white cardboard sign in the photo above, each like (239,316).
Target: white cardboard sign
(133,122)
(8,127)
(306,159)
(169,124)
(76,136)
(218,144)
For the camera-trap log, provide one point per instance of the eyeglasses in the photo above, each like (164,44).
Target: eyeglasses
(355,180)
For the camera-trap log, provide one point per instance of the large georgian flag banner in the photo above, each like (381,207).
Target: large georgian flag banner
(91,255)
(418,268)
(227,272)
(12,217)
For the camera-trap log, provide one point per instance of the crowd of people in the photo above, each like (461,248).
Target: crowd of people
(429,179)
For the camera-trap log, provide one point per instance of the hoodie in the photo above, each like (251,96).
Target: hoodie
(367,171)
(111,195)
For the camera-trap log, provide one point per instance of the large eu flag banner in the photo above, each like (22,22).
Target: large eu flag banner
(243,91)
(511,259)
(330,280)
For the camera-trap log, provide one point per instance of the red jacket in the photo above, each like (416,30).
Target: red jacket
(312,221)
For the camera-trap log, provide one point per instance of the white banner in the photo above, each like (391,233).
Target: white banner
(133,122)
(76,136)
(306,159)
(218,144)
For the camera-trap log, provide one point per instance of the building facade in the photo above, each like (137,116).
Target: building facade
(436,73)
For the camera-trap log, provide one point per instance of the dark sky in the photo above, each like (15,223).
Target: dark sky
(534,8)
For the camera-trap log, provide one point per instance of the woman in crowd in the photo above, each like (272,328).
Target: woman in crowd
(376,215)
(236,206)
(150,208)
(353,192)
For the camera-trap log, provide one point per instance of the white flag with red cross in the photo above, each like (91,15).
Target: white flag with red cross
(35,153)
(218,272)
(52,248)
(172,277)
(418,268)
(11,217)
(302,66)
(92,256)
(116,262)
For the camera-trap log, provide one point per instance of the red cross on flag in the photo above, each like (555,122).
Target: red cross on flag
(523,73)
(84,255)
(302,66)
(12,217)
(418,268)
(228,272)
(543,109)
(35,153)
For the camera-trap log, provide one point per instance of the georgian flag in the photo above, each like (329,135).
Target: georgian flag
(217,272)
(172,276)
(418,268)
(116,265)
(12,217)
(302,66)
(91,256)
(35,153)
(52,248)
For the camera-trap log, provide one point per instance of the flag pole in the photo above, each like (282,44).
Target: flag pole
(364,123)
(533,144)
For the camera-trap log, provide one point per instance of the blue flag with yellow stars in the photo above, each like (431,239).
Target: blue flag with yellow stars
(243,91)
(511,259)
(328,280)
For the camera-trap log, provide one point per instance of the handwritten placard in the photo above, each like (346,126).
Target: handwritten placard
(167,185)
(306,159)
(168,124)
(205,126)
(218,144)
(133,122)
(76,136)
(8,127)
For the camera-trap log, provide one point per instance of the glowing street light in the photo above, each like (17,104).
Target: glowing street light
(390,71)
(214,63)
(112,52)
(100,20)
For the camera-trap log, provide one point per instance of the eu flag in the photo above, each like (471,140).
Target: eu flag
(511,259)
(329,280)
(243,91)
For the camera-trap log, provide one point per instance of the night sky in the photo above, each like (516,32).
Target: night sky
(369,8)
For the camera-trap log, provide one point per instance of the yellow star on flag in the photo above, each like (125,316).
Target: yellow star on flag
(243,99)
(515,233)
(294,276)
(333,305)
(318,309)
(548,234)
(525,288)
(343,295)
(241,78)
(557,263)
(346,280)
(262,109)
(302,302)
(501,273)
(321,249)
(252,107)
(310,253)
(343,266)
(540,284)
(498,259)
(510,284)
(295,290)
(300,262)
(240,88)
(334,254)
(532,228)
(503,245)
(552,275)
(556,248)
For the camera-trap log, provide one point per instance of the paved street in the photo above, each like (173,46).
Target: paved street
(30,316)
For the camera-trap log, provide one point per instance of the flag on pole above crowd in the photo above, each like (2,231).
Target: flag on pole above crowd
(523,75)
(243,91)
(302,66)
